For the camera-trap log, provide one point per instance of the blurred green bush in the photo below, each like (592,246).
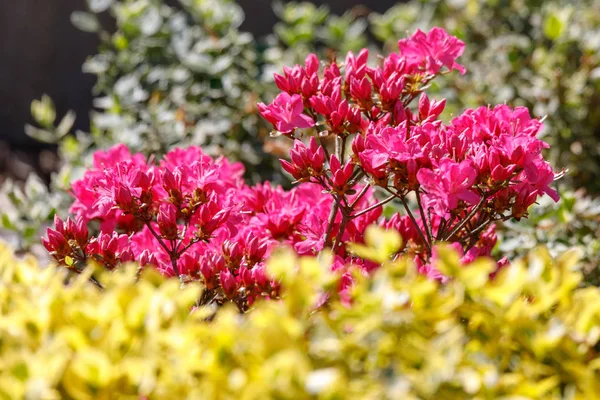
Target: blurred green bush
(529,333)
(171,76)
(573,222)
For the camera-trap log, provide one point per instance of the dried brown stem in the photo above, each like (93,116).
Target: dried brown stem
(332,214)
(359,196)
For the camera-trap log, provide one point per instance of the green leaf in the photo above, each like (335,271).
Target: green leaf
(99,6)
(34,187)
(220,64)
(150,21)
(43,111)
(69,261)
(65,124)
(553,26)
(7,223)
(41,135)
(85,21)
(29,232)
(380,244)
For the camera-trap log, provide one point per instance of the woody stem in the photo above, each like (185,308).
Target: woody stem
(412,218)
(426,223)
(171,252)
(374,206)
(332,214)
(462,223)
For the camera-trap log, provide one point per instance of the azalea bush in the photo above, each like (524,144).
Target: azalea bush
(193,217)
(528,333)
(376,274)
(486,165)
(143,71)
(189,215)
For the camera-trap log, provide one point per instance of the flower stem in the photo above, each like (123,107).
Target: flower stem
(412,218)
(332,214)
(172,253)
(374,206)
(338,238)
(462,223)
(359,196)
(426,223)
(323,145)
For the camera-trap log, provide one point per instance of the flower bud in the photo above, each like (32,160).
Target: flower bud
(167,221)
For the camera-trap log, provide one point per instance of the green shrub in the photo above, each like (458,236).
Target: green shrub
(528,333)
(175,75)
(305,28)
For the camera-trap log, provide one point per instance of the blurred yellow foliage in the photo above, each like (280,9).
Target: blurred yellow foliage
(530,333)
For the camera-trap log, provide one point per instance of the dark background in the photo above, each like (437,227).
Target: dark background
(41,52)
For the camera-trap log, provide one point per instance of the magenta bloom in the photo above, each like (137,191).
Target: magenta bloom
(433,50)
(65,236)
(448,184)
(167,221)
(306,162)
(285,112)
(300,79)
(340,173)
(111,250)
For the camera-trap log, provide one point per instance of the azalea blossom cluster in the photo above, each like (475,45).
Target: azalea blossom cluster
(192,216)
(367,139)
(360,141)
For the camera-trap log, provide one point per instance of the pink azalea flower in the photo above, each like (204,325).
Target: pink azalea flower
(448,184)
(285,112)
(432,50)
(306,161)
